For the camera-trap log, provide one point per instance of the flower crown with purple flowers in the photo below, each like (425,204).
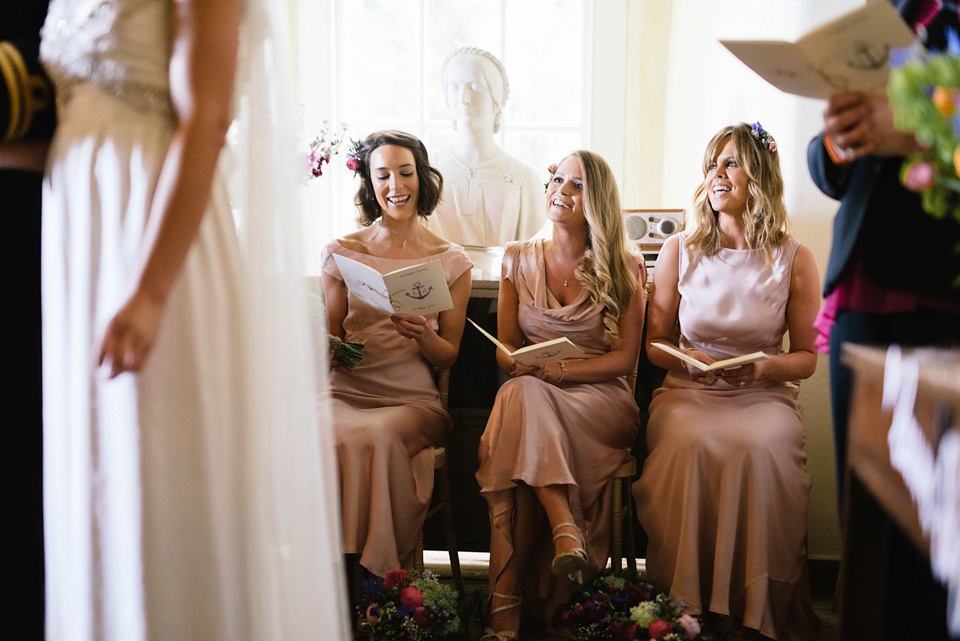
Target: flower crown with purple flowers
(762,136)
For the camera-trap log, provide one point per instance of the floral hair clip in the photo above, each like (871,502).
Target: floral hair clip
(353,156)
(552,169)
(762,136)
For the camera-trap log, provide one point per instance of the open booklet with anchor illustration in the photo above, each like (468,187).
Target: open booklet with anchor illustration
(417,289)
(538,353)
(848,53)
(727,363)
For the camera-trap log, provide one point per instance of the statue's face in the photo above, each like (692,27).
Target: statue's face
(468,95)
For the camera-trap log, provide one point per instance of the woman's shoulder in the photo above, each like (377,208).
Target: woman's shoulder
(353,242)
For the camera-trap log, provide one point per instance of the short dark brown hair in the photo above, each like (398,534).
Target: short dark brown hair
(430,179)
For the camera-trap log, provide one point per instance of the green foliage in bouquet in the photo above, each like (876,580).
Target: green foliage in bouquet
(347,353)
(924,89)
(612,608)
(408,606)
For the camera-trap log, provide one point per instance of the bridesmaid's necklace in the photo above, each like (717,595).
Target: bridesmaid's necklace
(556,266)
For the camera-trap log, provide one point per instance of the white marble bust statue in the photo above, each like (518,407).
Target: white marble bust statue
(489,197)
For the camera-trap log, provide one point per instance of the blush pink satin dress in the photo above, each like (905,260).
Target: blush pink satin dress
(573,434)
(723,493)
(387,420)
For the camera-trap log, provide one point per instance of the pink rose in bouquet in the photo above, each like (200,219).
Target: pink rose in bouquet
(658,629)
(411,597)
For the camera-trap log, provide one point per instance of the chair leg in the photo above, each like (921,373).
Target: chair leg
(449,530)
(418,553)
(616,544)
(628,534)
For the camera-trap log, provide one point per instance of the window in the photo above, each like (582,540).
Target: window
(376,64)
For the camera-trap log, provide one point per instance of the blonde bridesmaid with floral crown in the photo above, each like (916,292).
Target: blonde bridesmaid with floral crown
(723,492)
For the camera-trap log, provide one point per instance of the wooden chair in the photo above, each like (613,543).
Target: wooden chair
(622,511)
(442,504)
(621,528)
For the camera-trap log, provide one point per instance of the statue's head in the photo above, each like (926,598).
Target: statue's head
(476,87)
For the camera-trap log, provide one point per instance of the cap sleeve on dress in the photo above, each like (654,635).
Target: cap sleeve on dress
(455,262)
(327,263)
(511,259)
(640,269)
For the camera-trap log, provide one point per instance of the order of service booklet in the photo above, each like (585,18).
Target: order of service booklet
(849,53)
(538,353)
(726,363)
(417,289)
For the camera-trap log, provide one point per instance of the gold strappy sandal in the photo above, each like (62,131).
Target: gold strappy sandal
(573,560)
(489,633)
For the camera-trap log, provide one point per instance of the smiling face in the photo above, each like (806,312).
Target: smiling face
(726,182)
(469,95)
(393,173)
(565,193)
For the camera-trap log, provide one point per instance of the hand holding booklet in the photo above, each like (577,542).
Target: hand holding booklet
(538,353)
(726,363)
(849,53)
(417,289)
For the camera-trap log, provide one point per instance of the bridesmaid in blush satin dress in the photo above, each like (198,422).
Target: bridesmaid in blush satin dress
(387,411)
(723,493)
(545,458)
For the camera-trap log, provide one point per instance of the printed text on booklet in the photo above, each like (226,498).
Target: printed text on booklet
(418,289)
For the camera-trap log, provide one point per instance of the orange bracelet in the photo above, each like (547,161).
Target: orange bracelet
(836,154)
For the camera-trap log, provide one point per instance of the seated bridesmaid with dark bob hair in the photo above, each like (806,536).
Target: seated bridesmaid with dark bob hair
(387,412)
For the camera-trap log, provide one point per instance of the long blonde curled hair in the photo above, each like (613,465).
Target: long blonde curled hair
(765,221)
(606,269)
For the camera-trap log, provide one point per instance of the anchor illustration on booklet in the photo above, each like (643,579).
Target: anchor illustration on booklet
(421,291)
(417,289)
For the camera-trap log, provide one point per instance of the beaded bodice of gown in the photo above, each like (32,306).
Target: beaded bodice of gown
(121,46)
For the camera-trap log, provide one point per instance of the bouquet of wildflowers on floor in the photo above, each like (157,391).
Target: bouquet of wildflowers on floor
(612,608)
(408,606)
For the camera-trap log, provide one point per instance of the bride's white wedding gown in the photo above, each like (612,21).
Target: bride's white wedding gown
(193,500)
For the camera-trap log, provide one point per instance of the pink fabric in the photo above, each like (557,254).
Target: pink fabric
(387,419)
(856,292)
(539,434)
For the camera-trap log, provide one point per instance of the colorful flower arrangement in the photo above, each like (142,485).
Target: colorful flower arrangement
(408,606)
(924,92)
(321,148)
(611,608)
(763,136)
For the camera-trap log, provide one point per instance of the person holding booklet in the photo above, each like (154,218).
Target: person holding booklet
(545,459)
(387,412)
(723,493)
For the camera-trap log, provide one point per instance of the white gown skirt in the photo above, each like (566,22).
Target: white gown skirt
(171,511)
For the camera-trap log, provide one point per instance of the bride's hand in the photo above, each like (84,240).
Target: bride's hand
(130,334)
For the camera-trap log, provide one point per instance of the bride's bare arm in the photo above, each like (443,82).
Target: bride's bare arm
(202,66)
